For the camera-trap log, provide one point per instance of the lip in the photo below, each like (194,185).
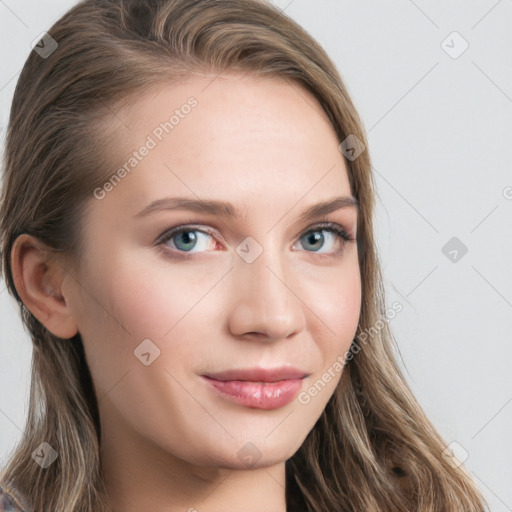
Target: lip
(259,374)
(258,388)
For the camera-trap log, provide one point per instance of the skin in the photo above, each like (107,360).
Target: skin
(169,442)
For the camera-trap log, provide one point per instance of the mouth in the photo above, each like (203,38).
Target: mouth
(258,388)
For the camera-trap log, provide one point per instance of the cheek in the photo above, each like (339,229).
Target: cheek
(336,318)
(337,304)
(163,303)
(154,301)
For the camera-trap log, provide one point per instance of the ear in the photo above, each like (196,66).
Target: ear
(38,275)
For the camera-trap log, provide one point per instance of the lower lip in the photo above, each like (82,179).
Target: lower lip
(268,396)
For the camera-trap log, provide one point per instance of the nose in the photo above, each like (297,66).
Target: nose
(264,305)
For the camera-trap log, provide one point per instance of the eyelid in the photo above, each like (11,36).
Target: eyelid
(169,233)
(327,223)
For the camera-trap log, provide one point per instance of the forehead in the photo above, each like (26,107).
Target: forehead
(235,137)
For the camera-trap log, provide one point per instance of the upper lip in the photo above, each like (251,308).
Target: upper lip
(259,374)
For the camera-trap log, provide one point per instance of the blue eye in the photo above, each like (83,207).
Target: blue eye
(187,239)
(314,237)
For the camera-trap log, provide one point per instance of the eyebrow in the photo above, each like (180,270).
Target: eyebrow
(225,209)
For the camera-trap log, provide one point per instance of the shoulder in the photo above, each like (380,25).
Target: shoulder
(8,502)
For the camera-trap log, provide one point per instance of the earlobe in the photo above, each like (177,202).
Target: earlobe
(38,275)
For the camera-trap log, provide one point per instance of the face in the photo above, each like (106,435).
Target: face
(254,291)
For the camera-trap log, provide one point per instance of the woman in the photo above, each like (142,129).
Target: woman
(187,227)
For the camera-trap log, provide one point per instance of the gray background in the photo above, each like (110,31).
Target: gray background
(438,127)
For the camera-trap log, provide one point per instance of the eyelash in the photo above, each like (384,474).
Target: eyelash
(332,227)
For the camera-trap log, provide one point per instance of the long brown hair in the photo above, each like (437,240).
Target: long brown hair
(372,449)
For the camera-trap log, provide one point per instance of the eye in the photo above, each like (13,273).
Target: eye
(188,239)
(315,238)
